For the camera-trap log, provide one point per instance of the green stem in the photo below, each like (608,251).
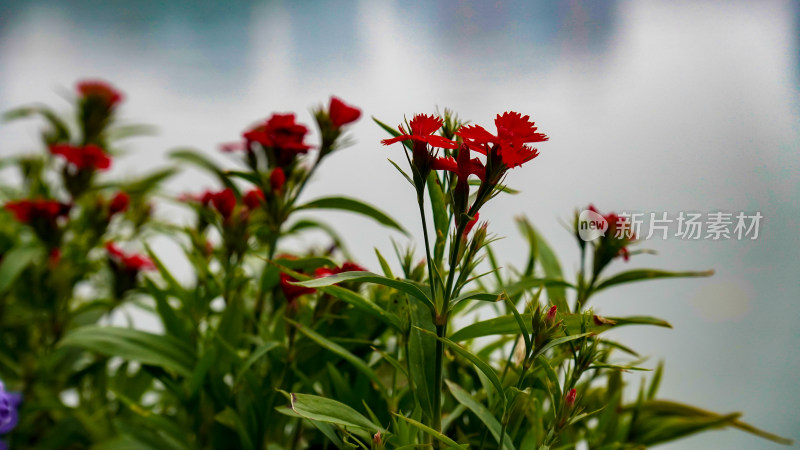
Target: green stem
(441,330)
(421,202)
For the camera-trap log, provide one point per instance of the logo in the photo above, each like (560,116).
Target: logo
(591,225)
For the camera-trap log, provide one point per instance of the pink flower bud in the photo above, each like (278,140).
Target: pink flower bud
(571,395)
(551,314)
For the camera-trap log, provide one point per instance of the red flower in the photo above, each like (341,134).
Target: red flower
(26,211)
(422,127)
(464,167)
(90,157)
(223,201)
(471,224)
(254,198)
(341,113)
(280,132)
(100,90)
(290,290)
(514,131)
(277,178)
(118,203)
(132,262)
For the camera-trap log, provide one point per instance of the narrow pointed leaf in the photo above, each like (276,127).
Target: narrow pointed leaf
(646,274)
(356,206)
(481,411)
(430,431)
(316,408)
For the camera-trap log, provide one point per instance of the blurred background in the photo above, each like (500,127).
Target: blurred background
(652,106)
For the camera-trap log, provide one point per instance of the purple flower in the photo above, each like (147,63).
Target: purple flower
(9,401)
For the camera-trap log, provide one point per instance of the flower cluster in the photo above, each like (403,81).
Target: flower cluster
(38,210)
(506,149)
(89,157)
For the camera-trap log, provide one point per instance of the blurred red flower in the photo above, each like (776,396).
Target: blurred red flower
(90,157)
(341,113)
(118,203)
(254,198)
(100,90)
(280,132)
(26,211)
(223,201)
(290,290)
(131,261)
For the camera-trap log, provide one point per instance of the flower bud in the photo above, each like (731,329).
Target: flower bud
(254,198)
(118,203)
(551,315)
(571,396)
(277,178)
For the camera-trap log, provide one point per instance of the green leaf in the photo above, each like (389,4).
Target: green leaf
(387,271)
(129,344)
(147,183)
(508,325)
(175,287)
(430,431)
(402,172)
(252,177)
(441,219)
(60,129)
(421,350)
(558,341)
(315,408)
(618,367)
(172,324)
(257,354)
(481,411)
(551,375)
(686,419)
(356,206)
(480,296)
(341,351)
(646,274)
(369,277)
(480,364)
(14,262)
(522,328)
(547,258)
(523,284)
(353,298)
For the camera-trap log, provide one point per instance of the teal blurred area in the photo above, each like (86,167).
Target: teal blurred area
(651,106)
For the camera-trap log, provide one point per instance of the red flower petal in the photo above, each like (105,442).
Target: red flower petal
(341,113)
